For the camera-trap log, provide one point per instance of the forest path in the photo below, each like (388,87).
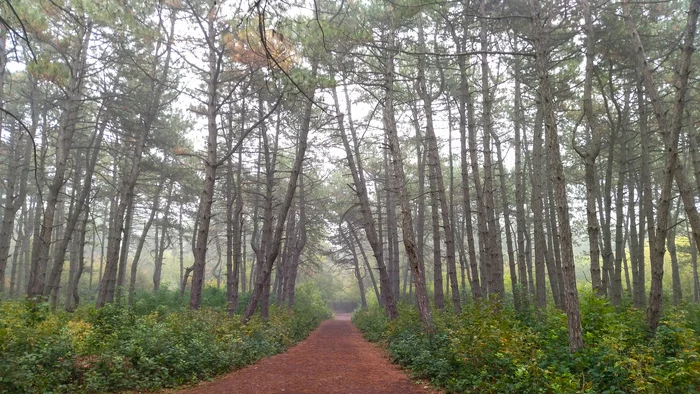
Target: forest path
(335,358)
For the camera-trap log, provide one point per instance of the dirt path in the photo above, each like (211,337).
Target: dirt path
(333,359)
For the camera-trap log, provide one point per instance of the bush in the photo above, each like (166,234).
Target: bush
(158,343)
(491,350)
(372,322)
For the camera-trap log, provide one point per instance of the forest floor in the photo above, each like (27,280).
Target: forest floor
(335,358)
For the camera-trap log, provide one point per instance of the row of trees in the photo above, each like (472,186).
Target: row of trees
(536,97)
(581,93)
(102,163)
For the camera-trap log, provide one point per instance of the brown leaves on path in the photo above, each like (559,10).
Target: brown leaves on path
(333,359)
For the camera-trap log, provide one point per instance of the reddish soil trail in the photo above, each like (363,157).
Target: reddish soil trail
(333,359)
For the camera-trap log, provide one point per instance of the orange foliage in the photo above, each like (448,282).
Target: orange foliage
(246,47)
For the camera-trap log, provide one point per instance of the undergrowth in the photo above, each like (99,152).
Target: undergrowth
(491,350)
(158,343)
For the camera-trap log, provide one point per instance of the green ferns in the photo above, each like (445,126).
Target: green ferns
(117,348)
(487,350)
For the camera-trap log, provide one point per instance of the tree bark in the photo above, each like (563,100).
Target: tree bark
(495,277)
(272,251)
(506,221)
(671,131)
(542,51)
(520,192)
(433,158)
(67,126)
(409,242)
(206,201)
(158,80)
(591,151)
(368,223)
(142,240)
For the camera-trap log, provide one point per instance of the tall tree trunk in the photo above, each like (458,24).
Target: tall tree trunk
(299,244)
(161,246)
(409,242)
(590,152)
(496,285)
(520,226)
(634,246)
(80,205)
(671,131)
(506,221)
(675,271)
(234,222)
(210,164)
(538,176)
(15,274)
(283,271)
(67,126)
(355,264)
(142,241)
(616,295)
(124,249)
(553,253)
(542,52)
(605,215)
(158,82)
(438,295)
(77,262)
(368,223)
(272,251)
(646,208)
(694,263)
(432,153)
(466,127)
(18,164)
(392,236)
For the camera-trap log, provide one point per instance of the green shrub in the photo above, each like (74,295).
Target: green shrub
(157,343)
(487,349)
(372,322)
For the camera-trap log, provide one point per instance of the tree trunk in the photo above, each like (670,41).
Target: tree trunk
(675,271)
(299,244)
(506,221)
(553,253)
(366,261)
(142,240)
(437,182)
(15,274)
(671,131)
(538,176)
(591,151)
(495,277)
(466,115)
(694,262)
(161,246)
(634,246)
(355,164)
(439,297)
(272,251)
(18,164)
(158,81)
(616,295)
(210,164)
(542,51)
(77,262)
(124,249)
(67,126)
(646,208)
(409,242)
(391,227)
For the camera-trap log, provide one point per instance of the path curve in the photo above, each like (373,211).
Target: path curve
(333,359)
